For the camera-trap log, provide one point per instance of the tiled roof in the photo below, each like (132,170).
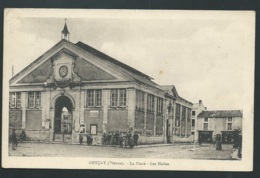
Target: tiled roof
(137,75)
(221,113)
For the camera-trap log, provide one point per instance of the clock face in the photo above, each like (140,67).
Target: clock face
(63,71)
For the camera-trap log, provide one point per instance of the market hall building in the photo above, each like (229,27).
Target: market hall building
(74,89)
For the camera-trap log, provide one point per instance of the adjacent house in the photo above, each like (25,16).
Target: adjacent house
(224,122)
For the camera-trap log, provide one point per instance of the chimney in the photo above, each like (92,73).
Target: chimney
(206,108)
(200,101)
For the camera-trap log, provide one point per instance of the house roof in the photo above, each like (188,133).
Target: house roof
(221,113)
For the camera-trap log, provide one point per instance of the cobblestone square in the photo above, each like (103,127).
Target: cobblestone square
(177,151)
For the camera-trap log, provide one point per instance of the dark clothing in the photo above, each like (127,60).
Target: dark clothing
(131,142)
(14,141)
(218,143)
(22,136)
(116,138)
(80,139)
(136,136)
(89,140)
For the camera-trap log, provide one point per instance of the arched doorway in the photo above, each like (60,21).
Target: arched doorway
(63,115)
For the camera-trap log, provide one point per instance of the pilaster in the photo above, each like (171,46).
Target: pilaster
(105,104)
(145,111)
(155,115)
(130,99)
(23,105)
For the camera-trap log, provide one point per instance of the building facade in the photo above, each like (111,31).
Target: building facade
(197,108)
(74,89)
(223,122)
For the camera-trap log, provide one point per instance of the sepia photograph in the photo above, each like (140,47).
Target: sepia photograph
(128,89)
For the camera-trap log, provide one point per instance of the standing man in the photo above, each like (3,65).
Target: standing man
(136,136)
(14,140)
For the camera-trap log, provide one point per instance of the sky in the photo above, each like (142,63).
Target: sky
(205,55)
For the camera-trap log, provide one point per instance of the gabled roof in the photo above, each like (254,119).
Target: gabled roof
(169,89)
(135,74)
(131,73)
(221,113)
(110,59)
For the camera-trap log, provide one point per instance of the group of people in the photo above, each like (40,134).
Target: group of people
(121,139)
(14,140)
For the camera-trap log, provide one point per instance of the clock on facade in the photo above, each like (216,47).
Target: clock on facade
(63,71)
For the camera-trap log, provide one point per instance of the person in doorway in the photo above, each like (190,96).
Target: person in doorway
(14,140)
(136,136)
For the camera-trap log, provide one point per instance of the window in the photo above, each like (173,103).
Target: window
(94,98)
(118,98)
(193,122)
(206,119)
(34,99)
(178,110)
(150,103)
(229,119)
(188,114)
(38,99)
(98,99)
(159,106)
(178,115)
(15,100)
(183,115)
(205,126)
(114,97)
(122,97)
(31,99)
(193,113)
(139,100)
(90,98)
(229,126)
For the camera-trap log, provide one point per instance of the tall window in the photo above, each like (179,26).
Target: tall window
(150,103)
(122,97)
(118,98)
(34,99)
(178,115)
(98,99)
(229,119)
(15,100)
(159,106)
(205,126)
(139,100)
(94,98)
(193,122)
(193,113)
(229,126)
(188,114)
(38,99)
(206,119)
(183,115)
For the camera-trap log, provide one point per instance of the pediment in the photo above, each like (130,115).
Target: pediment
(80,68)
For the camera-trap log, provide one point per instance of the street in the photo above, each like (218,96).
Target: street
(177,151)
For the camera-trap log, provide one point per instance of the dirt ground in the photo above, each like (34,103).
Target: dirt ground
(178,151)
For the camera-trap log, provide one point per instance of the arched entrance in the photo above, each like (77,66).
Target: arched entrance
(63,115)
